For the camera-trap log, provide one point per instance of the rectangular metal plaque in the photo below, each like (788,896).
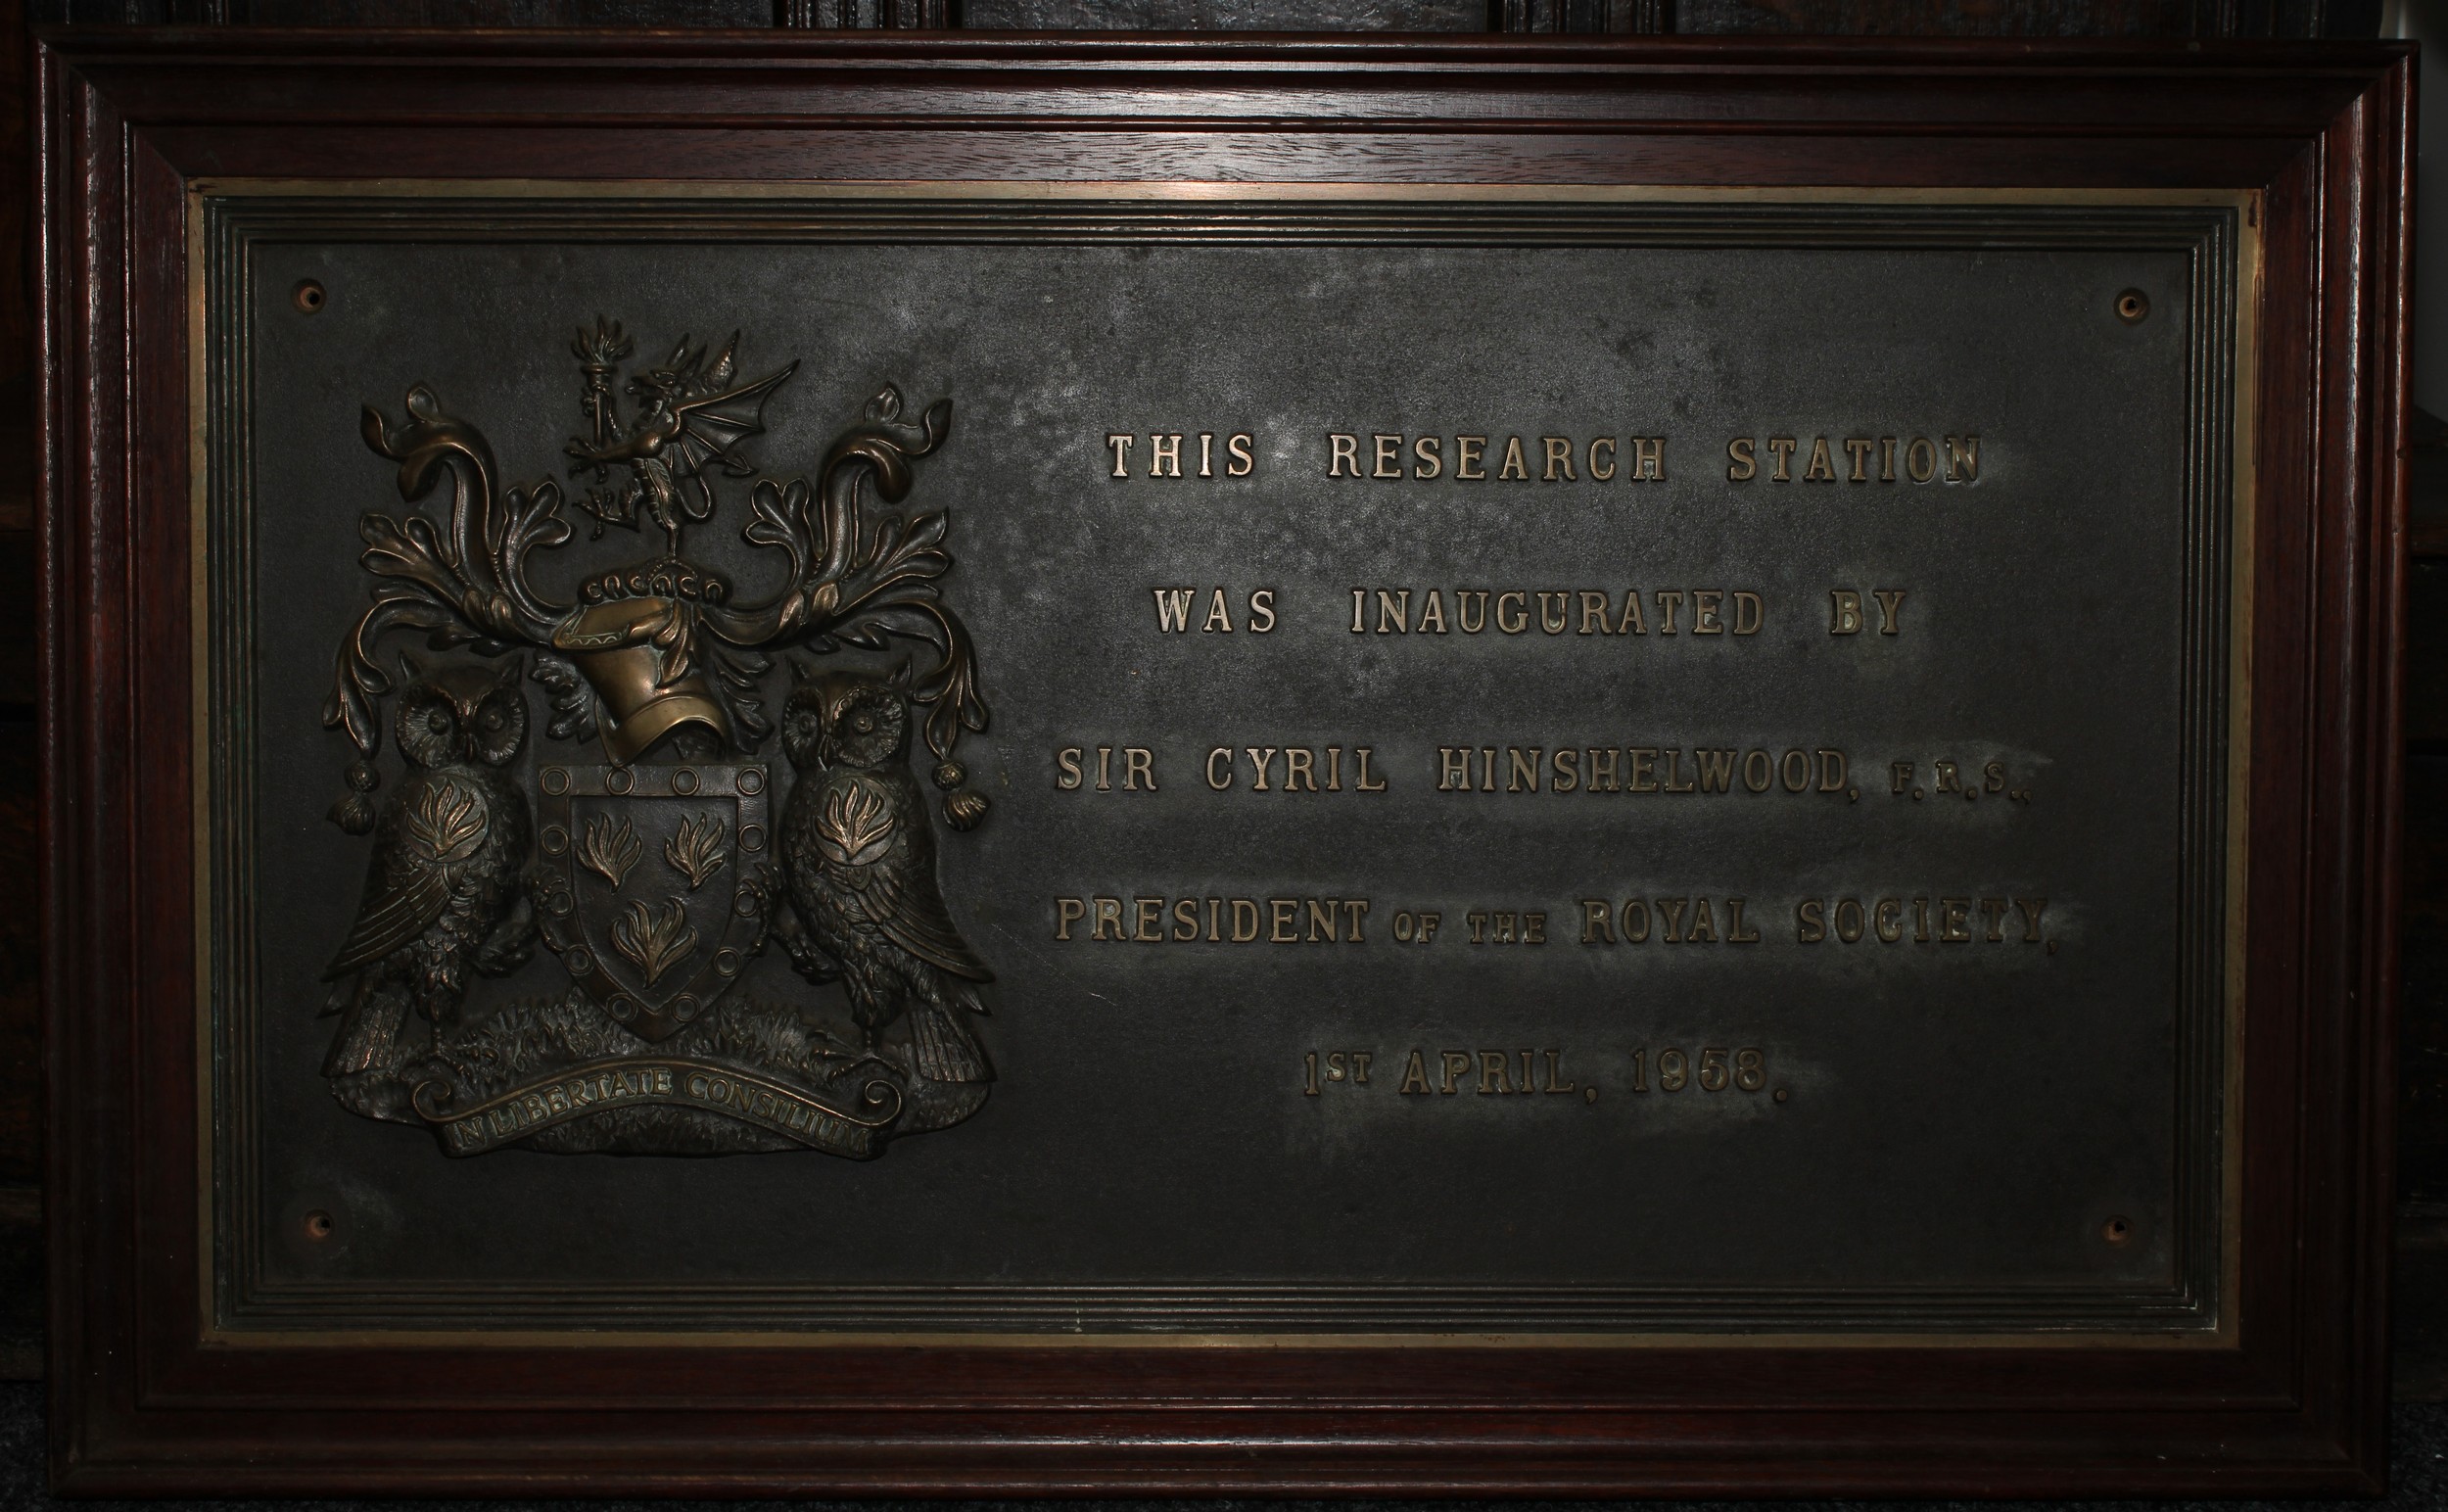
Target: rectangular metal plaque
(980,766)
(1526,765)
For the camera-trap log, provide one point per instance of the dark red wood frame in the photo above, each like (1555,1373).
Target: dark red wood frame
(139,1406)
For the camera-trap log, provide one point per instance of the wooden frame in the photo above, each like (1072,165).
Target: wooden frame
(144,1402)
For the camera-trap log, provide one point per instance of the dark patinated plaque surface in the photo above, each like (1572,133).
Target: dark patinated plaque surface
(1755,858)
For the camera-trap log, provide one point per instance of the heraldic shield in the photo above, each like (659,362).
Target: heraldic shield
(645,890)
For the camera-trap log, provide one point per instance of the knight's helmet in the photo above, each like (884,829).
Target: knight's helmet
(621,636)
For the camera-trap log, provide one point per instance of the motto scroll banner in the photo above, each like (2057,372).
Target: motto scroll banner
(580,1093)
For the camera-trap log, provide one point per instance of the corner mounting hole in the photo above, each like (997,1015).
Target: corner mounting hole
(2116,1231)
(318,1225)
(309,295)
(2132,306)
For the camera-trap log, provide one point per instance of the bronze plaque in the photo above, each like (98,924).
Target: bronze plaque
(1510,764)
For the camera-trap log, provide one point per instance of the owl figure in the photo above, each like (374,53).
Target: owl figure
(860,864)
(443,890)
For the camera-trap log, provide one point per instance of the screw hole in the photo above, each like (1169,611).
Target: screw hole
(2132,306)
(308,296)
(318,1225)
(2116,1231)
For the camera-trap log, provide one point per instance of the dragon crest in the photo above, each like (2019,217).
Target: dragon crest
(690,417)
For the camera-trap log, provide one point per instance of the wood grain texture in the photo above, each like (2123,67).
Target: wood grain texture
(141,1406)
(20,1036)
(1227,15)
(2029,19)
(1857,17)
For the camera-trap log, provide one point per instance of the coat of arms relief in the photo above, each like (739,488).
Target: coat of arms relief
(646,834)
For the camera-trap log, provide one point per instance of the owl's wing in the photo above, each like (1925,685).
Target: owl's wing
(407,901)
(909,908)
(871,831)
(441,826)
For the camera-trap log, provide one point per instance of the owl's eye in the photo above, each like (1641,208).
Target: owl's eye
(493,720)
(866,723)
(438,722)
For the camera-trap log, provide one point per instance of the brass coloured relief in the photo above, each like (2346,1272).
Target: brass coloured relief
(659,847)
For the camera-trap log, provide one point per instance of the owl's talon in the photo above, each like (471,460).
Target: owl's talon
(827,1046)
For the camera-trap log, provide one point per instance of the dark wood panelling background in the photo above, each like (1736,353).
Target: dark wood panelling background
(2421,1296)
(21,1010)
(1696,18)
(2423,1291)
